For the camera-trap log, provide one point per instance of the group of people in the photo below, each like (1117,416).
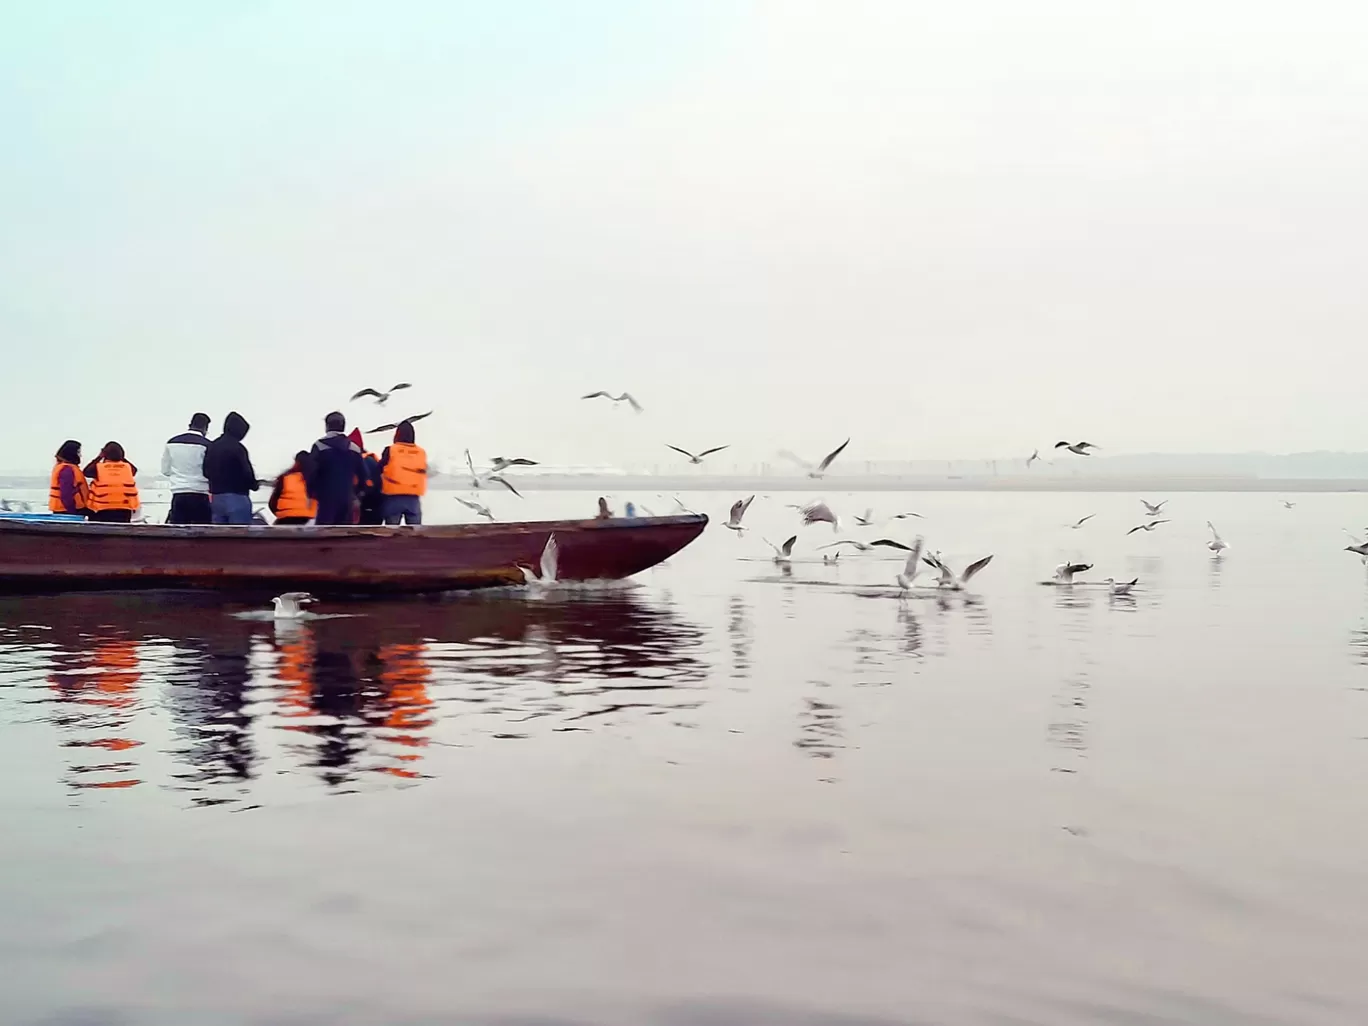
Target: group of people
(337,481)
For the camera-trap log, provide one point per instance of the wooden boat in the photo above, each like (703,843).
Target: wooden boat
(48,557)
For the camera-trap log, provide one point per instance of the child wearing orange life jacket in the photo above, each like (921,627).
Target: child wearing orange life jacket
(403,478)
(113,486)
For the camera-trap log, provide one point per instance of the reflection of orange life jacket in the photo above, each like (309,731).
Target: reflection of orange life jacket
(55,490)
(406,471)
(114,486)
(294,498)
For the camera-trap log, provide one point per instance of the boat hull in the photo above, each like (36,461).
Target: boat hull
(58,557)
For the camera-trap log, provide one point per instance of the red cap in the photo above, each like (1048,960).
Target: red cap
(356,439)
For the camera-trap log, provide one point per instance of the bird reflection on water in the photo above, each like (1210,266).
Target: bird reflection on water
(354,702)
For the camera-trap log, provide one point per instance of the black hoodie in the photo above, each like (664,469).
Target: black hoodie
(227,466)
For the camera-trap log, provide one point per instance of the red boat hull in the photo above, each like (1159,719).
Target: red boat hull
(327,560)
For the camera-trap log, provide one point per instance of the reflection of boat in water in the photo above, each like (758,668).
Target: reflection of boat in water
(59,556)
(382,694)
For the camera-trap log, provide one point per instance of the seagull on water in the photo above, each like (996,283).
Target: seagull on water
(550,562)
(1116,587)
(699,458)
(407,420)
(909,570)
(1217,544)
(1081,521)
(287,605)
(1147,526)
(819,513)
(783,553)
(832,559)
(860,546)
(821,468)
(480,510)
(1079,448)
(1064,573)
(626,397)
(949,579)
(1154,509)
(738,511)
(380,397)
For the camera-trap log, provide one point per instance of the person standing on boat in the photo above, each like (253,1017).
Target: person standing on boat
(336,471)
(69,492)
(290,501)
(403,478)
(369,495)
(113,486)
(182,465)
(228,469)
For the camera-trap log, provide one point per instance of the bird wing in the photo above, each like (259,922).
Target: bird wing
(505,482)
(1139,527)
(520,462)
(471,505)
(831,456)
(738,510)
(296,596)
(1061,445)
(914,555)
(794,458)
(684,451)
(470,463)
(889,543)
(1088,445)
(382,427)
(818,512)
(787,548)
(1217,537)
(630,401)
(597,395)
(1352,537)
(401,386)
(843,541)
(1084,520)
(1155,523)
(904,516)
(416,418)
(974,567)
(365,392)
(709,452)
(550,559)
(744,506)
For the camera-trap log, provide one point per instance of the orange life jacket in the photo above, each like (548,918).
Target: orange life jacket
(294,498)
(114,486)
(55,490)
(406,471)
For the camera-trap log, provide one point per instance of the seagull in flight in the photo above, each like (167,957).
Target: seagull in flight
(699,458)
(287,606)
(865,521)
(1080,448)
(1288,504)
(550,563)
(904,516)
(380,397)
(1154,509)
(783,553)
(480,509)
(501,463)
(738,511)
(477,479)
(821,468)
(949,579)
(406,420)
(819,513)
(1081,521)
(1148,526)
(1035,455)
(1064,573)
(626,397)
(863,547)
(1116,587)
(910,568)
(1217,544)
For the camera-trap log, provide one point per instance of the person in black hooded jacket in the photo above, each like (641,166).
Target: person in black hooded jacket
(229,471)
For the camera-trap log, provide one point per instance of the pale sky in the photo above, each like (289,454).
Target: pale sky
(948,230)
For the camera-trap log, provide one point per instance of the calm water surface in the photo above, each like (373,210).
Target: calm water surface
(724,795)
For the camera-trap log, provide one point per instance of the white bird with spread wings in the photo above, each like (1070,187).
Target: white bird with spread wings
(821,468)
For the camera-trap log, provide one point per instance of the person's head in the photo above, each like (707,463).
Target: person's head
(113,452)
(70,451)
(301,458)
(235,426)
(200,422)
(603,506)
(404,432)
(335,422)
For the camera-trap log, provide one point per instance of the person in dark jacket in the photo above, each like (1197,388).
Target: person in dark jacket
(336,473)
(228,469)
(370,497)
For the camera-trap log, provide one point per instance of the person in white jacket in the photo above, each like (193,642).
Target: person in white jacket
(183,466)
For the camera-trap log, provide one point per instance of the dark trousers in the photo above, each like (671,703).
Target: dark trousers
(190,508)
(371,510)
(291,521)
(333,512)
(112,516)
(403,509)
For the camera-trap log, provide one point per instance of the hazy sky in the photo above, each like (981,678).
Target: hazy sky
(945,229)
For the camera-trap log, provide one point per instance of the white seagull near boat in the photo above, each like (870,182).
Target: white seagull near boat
(783,553)
(287,606)
(1217,544)
(820,469)
(480,510)
(550,563)
(951,580)
(738,511)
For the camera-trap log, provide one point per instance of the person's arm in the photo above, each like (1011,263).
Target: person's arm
(92,470)
(359,474)
(66,484)
(166,461)
(251,474)
(274,503)
(384,460)
(133,467)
